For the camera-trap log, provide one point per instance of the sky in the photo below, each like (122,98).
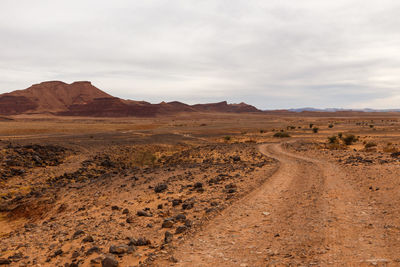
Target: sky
(271,54)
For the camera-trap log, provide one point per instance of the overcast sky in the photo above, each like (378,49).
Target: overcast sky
(272,54)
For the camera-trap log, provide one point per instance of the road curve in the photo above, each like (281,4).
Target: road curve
(304,214)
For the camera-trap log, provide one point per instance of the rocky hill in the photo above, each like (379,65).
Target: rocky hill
(84,99)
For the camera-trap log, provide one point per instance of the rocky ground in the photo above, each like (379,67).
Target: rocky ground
(200,192)
(125,204)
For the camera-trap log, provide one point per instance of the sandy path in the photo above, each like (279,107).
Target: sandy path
(305,214)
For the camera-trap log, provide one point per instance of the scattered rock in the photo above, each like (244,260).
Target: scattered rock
(168,223)
(236,158)
(77,233)
(176,202)
(58,252)
(198,185)
(130,219)
(180,229)
(120,249)
(125,211)
(160,188)
(143,213)
(180,217)
(109,261)
(93,250)
(4,261)
(89,238)
(187,205)
(168,237)
(141,241)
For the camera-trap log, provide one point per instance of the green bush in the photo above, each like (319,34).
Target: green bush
(227,138)
(315,130)
(349,139)
(281,134)
(332,139)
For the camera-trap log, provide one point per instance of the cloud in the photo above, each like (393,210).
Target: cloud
(273,54)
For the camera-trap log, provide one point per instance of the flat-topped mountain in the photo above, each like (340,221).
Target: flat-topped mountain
(49,97)
(84,99)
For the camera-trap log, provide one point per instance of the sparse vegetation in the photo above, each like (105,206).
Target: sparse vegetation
(315,129)
(227,138)
(332,139)
(311,125)
(350,139)
(330,125)
(281,134)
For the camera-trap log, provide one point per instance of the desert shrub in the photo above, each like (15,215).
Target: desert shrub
(330,125)
(262,131)
(281,134)
(370,144)
(349,139)
(332,139)
(371,126)
(227,138)
(315,130)
(340,135)
(311,125)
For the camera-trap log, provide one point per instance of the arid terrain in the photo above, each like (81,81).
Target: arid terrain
(201,189)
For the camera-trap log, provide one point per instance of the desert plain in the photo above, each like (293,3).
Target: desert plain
(201,189)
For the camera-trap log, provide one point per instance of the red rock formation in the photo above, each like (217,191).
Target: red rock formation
(84,99)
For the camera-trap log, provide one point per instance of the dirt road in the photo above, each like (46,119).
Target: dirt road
(306,214)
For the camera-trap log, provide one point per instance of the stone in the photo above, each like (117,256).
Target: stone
(168,237)
(141,241)
(4,261)
(180,217)
(125,211)
(93,250)
(198,185)
(168,223)
(120,249)
(58,252)
(176,202)
(130,219)
(180,229)
(109,261)
(77,233)
(89,238)
(160,188)
(143,213)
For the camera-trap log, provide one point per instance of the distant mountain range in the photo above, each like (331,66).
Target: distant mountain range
(341,109)
(84,99)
